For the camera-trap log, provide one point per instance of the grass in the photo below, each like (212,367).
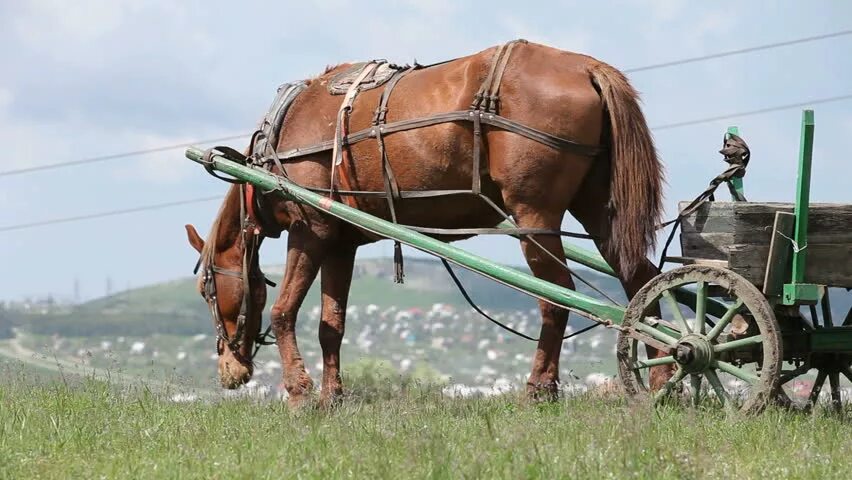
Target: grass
(82,428)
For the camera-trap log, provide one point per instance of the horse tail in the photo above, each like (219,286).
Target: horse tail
(636,174)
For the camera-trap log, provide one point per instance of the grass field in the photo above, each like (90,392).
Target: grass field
(52,427)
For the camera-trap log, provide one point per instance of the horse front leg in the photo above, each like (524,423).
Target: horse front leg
(336,279)
(303,262)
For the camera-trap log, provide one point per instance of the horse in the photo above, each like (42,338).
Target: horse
(615,193)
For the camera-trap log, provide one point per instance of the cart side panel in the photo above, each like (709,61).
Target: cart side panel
(740,234)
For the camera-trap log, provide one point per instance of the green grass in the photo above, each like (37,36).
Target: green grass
(82,428)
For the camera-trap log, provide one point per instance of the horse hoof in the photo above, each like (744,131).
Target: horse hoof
(543,392)
(298,401)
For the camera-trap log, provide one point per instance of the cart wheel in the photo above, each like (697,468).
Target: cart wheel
(736,348)
(830,367)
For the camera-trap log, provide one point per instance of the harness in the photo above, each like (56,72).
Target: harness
(251,244)
(484,110)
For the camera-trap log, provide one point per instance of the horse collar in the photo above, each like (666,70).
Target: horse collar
(251,214)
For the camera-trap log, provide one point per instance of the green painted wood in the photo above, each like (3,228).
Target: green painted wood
(583,256)
(736,371)
(595,309)
(803,190)
(802,293)
(700,306)
(688,297)
(832,339)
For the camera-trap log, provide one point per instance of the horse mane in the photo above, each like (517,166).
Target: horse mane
(329,68)
(334,68)
(209,250)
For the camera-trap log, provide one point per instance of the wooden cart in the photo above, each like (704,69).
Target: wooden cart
(729,324)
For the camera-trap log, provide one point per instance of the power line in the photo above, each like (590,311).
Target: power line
(753,112)
(110,213)
(207,199)
(115,156)
(164,148)
(729,53)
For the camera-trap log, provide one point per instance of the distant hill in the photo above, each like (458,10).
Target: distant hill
(175,307)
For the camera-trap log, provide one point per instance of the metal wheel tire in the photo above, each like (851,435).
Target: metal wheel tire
(707,351)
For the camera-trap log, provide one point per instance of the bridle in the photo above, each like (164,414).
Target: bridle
(251,244)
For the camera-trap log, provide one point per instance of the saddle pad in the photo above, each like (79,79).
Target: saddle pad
(341,82)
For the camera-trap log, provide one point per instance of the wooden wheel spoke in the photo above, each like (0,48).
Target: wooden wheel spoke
(656,334)
(653,362)
(695,382)
(667,387)
(700,305)
(817,388)
(725,320)
(717,386)
(675,307)
(736,371)
(834,385)
(787,376)
(735,344)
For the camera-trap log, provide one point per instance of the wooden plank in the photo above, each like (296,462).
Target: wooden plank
(713,246)
(780,249)
(828,264)
(698,261)
(828,222)
(741,233)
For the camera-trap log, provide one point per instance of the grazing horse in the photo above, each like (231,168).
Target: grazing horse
(614,194)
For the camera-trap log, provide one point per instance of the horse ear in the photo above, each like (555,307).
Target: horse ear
(194,238)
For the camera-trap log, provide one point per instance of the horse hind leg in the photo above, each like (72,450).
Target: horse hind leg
(546,260)
(590,210)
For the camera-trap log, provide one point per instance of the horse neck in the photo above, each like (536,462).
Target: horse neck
(225,232)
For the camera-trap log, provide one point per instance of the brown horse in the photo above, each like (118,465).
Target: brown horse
(616,195)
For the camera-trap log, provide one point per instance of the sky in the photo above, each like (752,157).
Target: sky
(98,77)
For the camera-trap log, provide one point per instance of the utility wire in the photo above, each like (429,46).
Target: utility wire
(752,112)
(729,53)
(115,156)
(682,61)
(158,206)
(110,213)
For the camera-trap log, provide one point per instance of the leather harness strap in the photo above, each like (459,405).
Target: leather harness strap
(341,155)
(492,119)
(391,185)
(379,120)
(489,90)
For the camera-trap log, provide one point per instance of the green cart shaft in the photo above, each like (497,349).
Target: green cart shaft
(582,304)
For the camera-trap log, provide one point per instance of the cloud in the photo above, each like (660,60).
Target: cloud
(6,98)
(567,37)
(45,23)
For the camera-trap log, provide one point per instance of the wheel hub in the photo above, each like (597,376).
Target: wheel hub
(693,353)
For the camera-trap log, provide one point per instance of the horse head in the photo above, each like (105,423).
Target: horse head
(232,285)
